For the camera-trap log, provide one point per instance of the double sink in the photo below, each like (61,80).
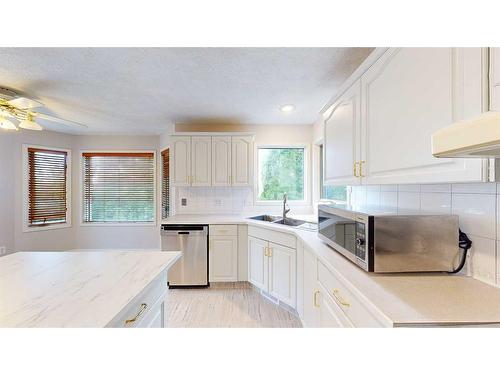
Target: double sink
(302,224)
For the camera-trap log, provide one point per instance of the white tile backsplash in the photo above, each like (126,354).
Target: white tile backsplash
(477,205)
(477,213)
(435,203)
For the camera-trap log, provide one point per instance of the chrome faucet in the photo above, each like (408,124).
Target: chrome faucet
(286,208)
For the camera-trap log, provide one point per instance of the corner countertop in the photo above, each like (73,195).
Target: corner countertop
(74,289)
(404,299)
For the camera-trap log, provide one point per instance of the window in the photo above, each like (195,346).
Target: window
(165,184)
(47,187)
(118,187)
(328,192)
(281,170)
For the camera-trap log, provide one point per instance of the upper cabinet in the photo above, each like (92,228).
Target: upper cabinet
(181,161)
(495,79)
(242,160)
(342,139)
(221,161)
(225,160)
(404,96)
(201,155)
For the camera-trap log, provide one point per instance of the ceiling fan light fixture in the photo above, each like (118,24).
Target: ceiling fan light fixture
(6,124)
(29,124)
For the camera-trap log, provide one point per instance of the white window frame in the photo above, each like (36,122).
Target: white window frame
(26,226)
(307,196)
(118,224)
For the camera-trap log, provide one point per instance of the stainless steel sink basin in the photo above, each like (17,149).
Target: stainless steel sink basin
(289,222)
(268,218)
(301,224)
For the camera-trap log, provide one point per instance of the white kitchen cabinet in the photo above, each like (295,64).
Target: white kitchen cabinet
(223,258)
(494,79)
(379,130)
(242,160)
(221,161)
(201,161)
(257,262)
(330,315)
(181,161)
(342,139)
(407,95)
(282,273)
(272,268)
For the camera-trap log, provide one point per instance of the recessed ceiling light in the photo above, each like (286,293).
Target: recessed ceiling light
(287,108)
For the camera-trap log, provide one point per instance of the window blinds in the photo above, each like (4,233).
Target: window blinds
(165,185)
(118,187)
(46,186)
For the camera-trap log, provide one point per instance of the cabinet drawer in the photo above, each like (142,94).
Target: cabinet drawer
(223,230)
(142,304)
(354,308)
(280,238)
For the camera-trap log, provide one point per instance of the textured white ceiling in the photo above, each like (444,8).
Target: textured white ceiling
(142,90)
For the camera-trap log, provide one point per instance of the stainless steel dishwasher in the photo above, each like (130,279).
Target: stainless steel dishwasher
(192,240)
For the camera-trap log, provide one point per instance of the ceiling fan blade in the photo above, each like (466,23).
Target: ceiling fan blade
(61,121)
(24,103)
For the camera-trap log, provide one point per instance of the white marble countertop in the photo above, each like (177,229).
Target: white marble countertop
(405,299)
(74,289)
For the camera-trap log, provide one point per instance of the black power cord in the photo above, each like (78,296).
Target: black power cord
(465,244)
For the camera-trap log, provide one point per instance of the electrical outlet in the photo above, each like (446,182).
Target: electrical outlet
(3,250)
(184,202)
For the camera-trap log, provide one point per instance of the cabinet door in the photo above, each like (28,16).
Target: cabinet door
(242,161)
(221,161)
(223,258)
(283,273)
(201,160)
(494,79)
(407,95)
(342,139)
(181,166)
(330,314)
(257,263)
(310,290)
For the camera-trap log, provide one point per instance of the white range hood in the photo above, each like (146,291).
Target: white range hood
(478,137)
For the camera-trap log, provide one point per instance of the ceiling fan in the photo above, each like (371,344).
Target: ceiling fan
(19,108)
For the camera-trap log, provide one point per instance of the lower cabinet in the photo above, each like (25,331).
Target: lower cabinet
(223,258)
(272,268)
(330,302)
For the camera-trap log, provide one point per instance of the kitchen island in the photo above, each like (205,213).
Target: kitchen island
(84,289)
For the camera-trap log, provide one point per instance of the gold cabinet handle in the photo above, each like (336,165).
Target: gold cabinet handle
(315,298)
(355,169)
(361,168)
(144,306)
(270,251)
(266,254)
(339,298)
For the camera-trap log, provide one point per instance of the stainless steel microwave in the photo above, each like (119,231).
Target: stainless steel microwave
(380,240)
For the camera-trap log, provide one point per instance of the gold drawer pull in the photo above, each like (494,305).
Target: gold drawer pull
(315,298)
(141,310)
(339,298)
